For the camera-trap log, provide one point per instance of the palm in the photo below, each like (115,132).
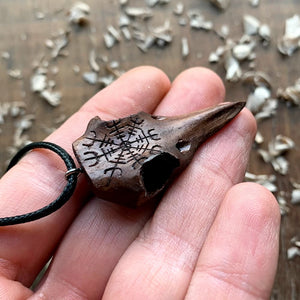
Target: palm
(208,238)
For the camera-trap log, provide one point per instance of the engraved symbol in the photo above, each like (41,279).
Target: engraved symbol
(120,143)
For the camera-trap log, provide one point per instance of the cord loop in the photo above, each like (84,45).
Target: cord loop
(71,177)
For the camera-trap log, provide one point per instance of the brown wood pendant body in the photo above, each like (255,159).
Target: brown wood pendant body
(133,159)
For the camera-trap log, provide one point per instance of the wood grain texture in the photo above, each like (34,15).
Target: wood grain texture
(18,22)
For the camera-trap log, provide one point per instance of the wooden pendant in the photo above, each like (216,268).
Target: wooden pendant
(132,160)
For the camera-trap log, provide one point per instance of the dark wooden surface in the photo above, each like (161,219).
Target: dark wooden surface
(18,20)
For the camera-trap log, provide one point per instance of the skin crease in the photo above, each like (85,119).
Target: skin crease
(211,237)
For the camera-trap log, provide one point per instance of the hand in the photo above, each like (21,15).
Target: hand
(211,237)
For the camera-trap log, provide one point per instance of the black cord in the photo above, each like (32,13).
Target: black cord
(64,196)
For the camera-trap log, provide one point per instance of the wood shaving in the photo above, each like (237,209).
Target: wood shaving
(60,42)
(292,252)
(15,74)
(182,21)
(268,109)
(223,32)
(152,3)
(54,70)
(257,78)
(213,57)
(123,2)
(5,55)
(232,67)
(52,97)
(198,21)
(126,33)
(38,82)
(139,12)
(258,98)
(254,3)
(291,94)
(283,205)
(259,139)
(280,145)
(251,25)
(124,20)
(276,148)
(49,43)
(242,51)
(268,181)
(185,51)
(78,14)
(76,69)
(90,77)
(179,9)
(93,61)
(290,41)
(280,165)
(114,33)
(39,15)
(264,32)
(295,196)
(221,4)
(109,40)
(296,185)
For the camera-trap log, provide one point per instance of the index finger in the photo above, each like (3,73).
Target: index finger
(38,178)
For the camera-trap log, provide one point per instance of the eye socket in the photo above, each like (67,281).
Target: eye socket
(183,146)
(157,171)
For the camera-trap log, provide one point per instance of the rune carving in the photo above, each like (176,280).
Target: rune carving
(119,144)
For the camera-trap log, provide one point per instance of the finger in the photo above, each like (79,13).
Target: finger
(192,90)
(101,239)
(37,179)
(161,260)
(239,257)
